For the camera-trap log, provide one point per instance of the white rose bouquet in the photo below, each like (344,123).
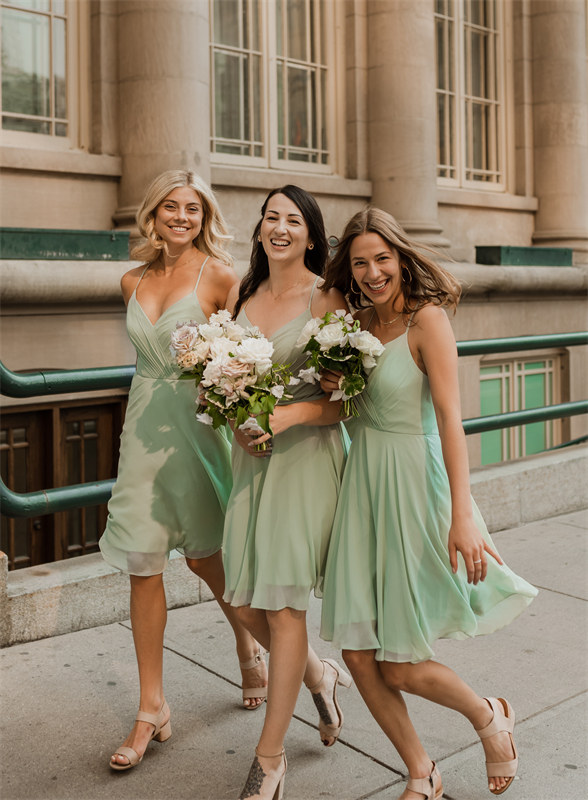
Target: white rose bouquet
(233,367)
(336,343)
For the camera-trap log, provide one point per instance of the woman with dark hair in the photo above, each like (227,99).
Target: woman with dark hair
(407,530)
(281,509)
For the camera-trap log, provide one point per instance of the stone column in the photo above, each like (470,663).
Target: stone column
(164,91)
(560,124)
(402,114)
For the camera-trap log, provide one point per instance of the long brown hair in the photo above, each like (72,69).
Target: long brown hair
(423,279)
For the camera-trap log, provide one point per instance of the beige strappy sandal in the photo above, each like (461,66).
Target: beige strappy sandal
(256,776)
(503,720)
(345,680)
(161,733)
(259,691)
(426,786)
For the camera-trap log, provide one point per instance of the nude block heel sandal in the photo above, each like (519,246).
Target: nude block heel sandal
(260,691)
(426,786)
(345,680)
(161,733)
(503,720)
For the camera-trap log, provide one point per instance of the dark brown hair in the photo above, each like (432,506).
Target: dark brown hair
(423,279)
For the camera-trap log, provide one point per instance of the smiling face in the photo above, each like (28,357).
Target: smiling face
(375,265)
(284,232)
(178,218)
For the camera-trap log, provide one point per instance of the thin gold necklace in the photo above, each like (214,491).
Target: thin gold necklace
(275,296)
(189,261)
(391,321)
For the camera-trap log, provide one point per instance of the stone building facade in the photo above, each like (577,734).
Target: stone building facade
(466,119)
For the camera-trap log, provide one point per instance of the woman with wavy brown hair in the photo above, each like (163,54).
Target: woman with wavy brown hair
(410,559)
(174,475)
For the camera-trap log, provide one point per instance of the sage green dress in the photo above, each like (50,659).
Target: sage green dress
(281,509)
(389,586)
(174,473)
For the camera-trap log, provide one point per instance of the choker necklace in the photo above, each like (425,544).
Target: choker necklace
(275,296)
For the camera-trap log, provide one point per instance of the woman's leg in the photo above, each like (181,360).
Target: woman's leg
(438,683)
(212,573)
(388,708)
(256,622)
(289,647)
(148,619)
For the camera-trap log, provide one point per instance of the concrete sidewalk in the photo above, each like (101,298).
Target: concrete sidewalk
(68,703)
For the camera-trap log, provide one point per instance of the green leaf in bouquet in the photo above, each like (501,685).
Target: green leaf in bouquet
(352,384)
(255,406)
(187,376)
(263,422)
(218,420)
(242,416)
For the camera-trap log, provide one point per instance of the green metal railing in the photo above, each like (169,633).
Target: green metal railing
(65,498)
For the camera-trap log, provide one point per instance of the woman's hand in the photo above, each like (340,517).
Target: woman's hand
(465,538)
(330,380)
(284,417)
(248,441)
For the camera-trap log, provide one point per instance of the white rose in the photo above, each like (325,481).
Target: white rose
(252,350)
(293,381)
(220,318)
(210,332)
(309,375)
(233,331)
(205,418)
(366,343)
(221,347)
(331,335)
(368,361)
(277,391)
(311,329)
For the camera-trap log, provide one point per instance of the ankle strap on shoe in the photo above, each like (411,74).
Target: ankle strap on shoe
(312,688)
(275,755)
(253,662)
(499,721)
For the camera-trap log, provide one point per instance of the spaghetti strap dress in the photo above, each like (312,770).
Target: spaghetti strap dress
(281,509)
(174,474)
(389,586)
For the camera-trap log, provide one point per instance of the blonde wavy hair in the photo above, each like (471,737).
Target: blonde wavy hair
(214,237)
(423,279)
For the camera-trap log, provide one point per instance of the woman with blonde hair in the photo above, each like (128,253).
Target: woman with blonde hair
(174,475)
(410,559)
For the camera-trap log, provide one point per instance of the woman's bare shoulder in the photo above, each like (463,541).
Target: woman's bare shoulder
(364,316)
(129,281)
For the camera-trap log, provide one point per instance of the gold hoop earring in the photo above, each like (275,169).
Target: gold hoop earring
(357,291)
(404,267)
(311,246)
(259,239)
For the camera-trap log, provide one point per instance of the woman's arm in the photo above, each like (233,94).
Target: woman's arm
(434,340)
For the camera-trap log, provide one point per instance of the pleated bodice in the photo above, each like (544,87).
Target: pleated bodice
(152,342)
(397,398)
